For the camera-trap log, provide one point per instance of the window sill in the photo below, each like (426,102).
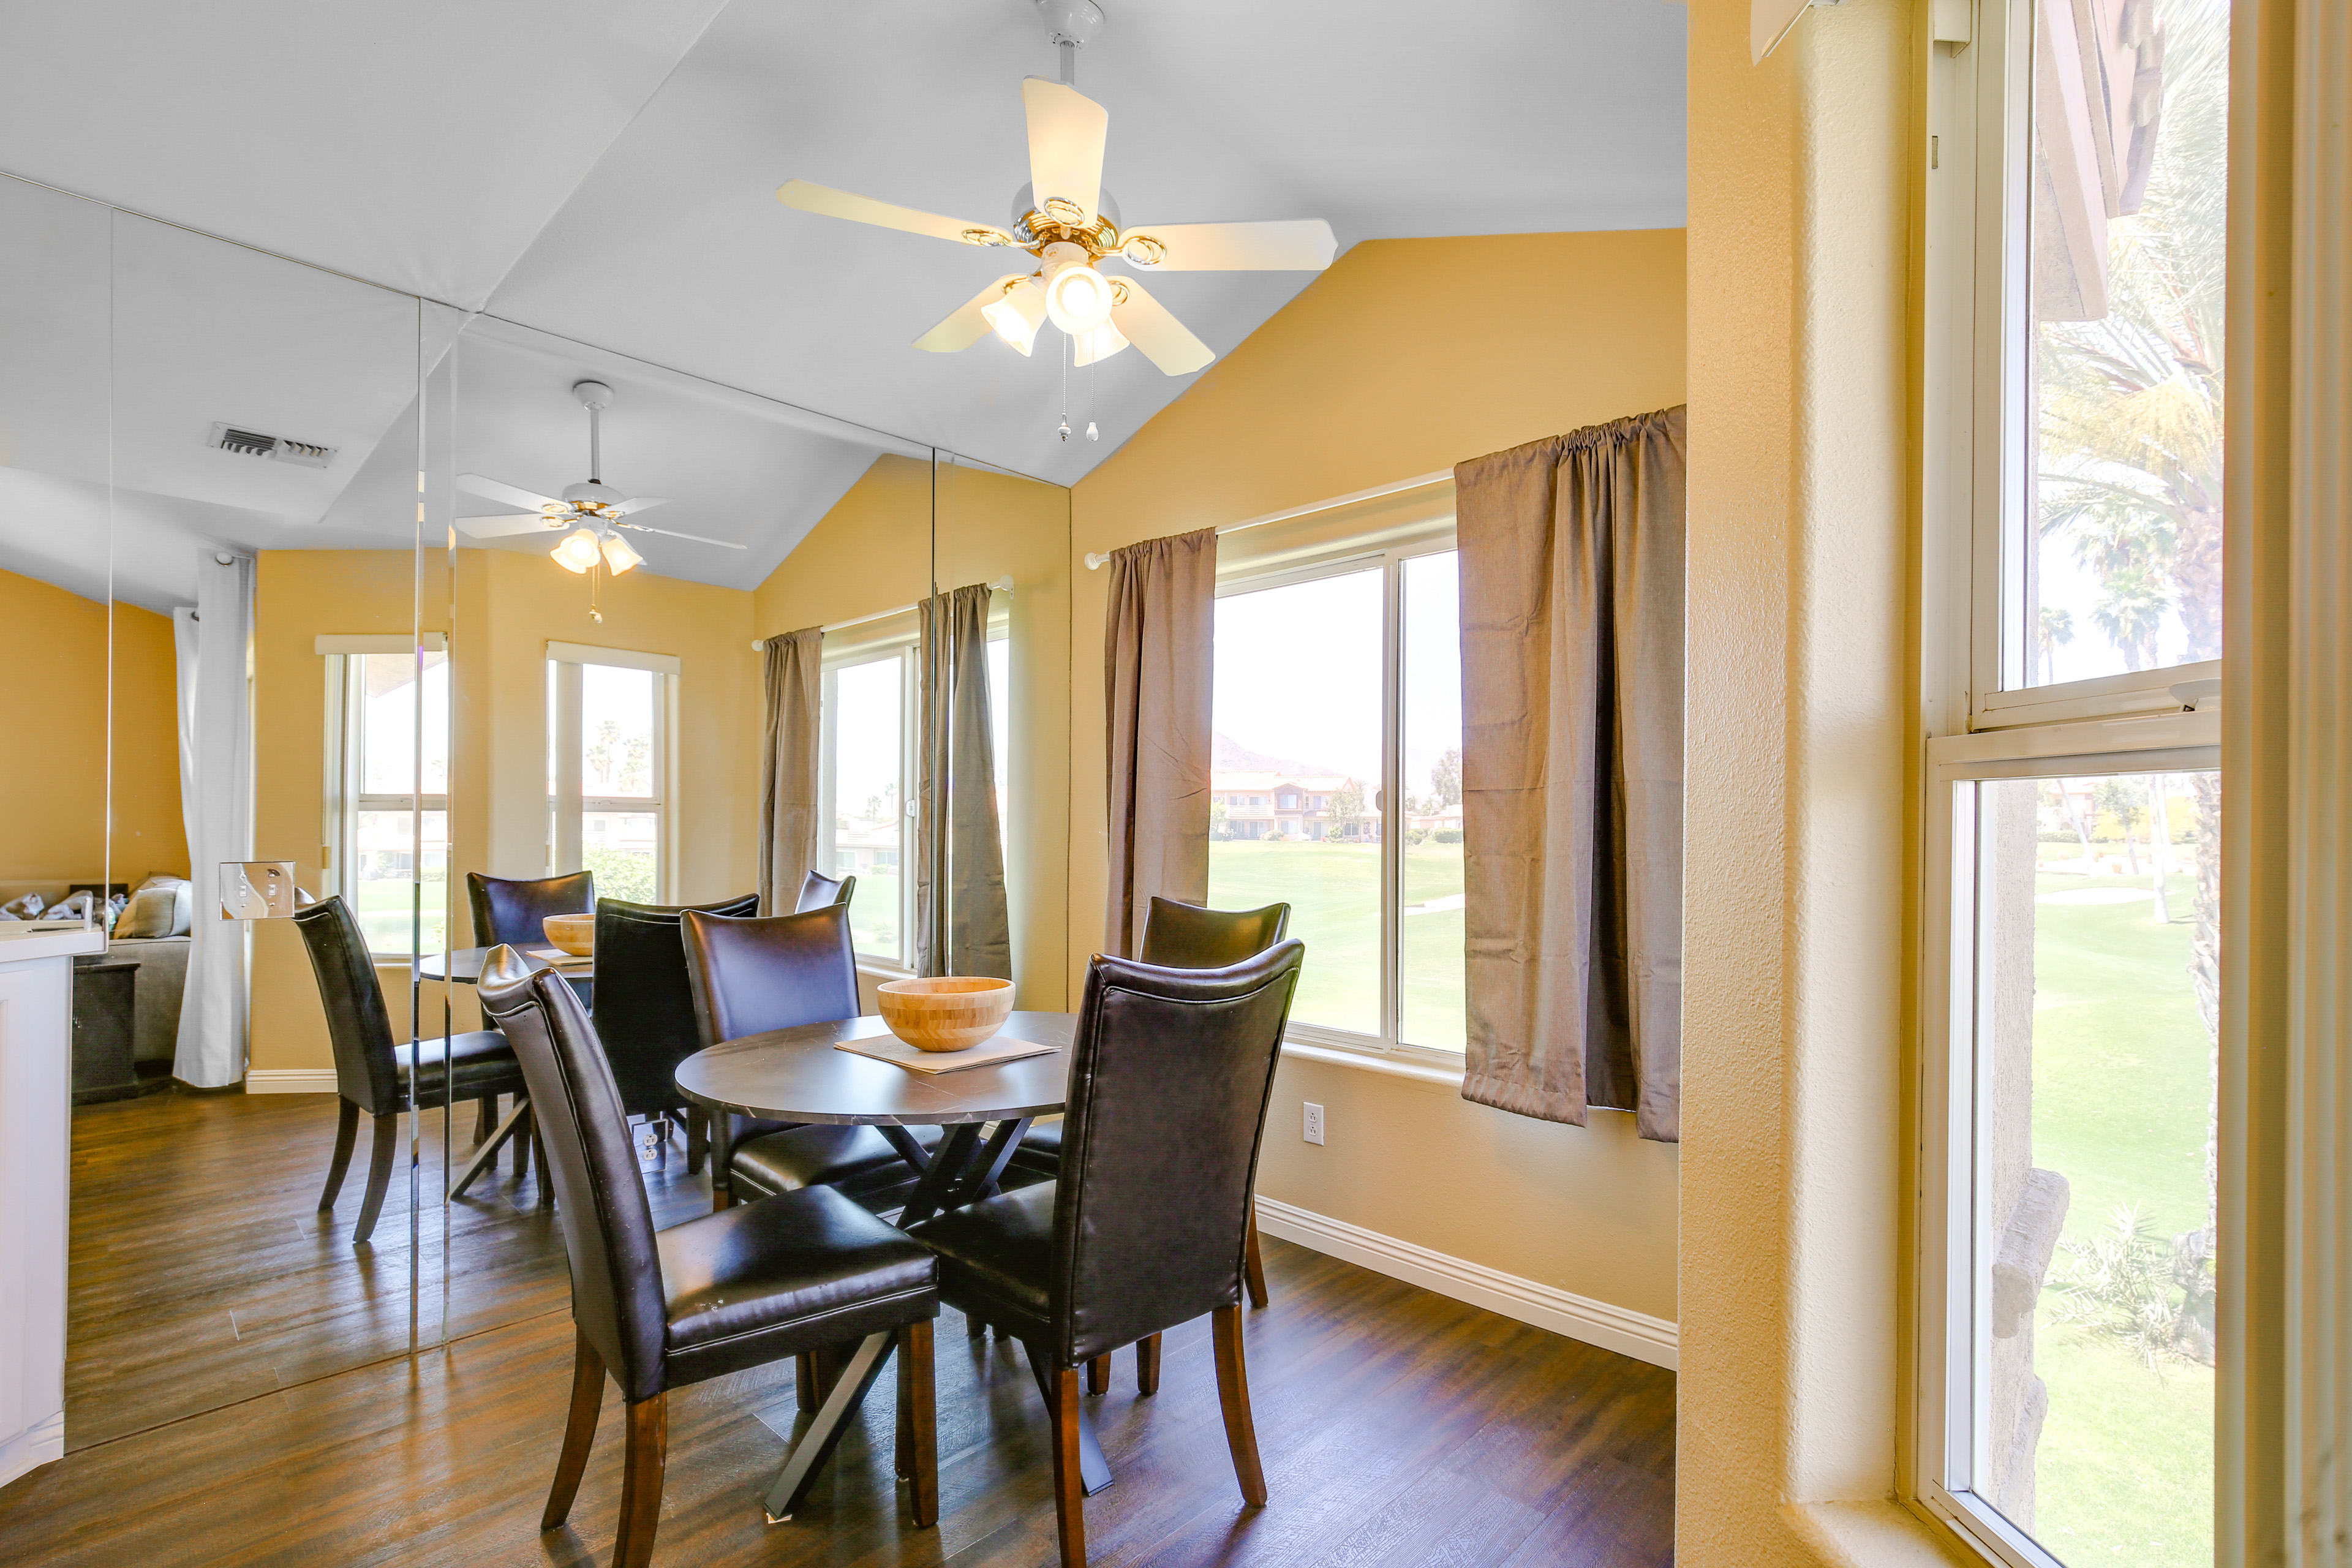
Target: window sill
(1367,1061)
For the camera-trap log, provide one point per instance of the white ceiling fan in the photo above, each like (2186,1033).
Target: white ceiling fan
(589,515)
(1065,219)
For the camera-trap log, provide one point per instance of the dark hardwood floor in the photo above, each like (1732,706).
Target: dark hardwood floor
(239,1392)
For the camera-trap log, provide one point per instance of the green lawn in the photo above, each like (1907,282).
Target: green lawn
(2122,1083)
(383,905)
(1334,893)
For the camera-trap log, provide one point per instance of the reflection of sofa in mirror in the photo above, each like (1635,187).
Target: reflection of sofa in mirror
(151,930)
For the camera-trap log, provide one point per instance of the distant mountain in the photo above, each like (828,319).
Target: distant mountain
(1224,752)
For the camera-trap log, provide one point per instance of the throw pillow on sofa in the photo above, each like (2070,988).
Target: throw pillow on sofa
(151,912)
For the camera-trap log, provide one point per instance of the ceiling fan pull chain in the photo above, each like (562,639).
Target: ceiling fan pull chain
(1067,342)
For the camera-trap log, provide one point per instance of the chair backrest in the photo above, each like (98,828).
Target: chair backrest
(644,1010)
(754,976)
(817,889)
(366,1072)
(509,911)
(608,1226)
(1186,936)
(1171,1072)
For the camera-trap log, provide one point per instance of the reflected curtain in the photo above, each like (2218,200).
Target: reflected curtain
(214,642)
(1572,553)
(789,815)
(1158,675)
(961,925)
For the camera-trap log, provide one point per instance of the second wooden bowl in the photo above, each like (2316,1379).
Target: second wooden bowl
(948,1013)
(575,935)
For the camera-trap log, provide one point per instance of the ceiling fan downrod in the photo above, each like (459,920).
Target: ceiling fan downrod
(597,397)
(1070,24)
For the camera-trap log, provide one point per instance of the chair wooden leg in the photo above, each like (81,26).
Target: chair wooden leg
(579,1432)
(722,1157)
(698,1139)
(546,1198)
(1254,1266)
(919,1424)
(347,1134)
(975,1327)
(388,1140)
(486,1118)
(1147,1365)
(1098,1374)
(522,1144)
(1233,1392)
(1069,1485)
(641,1483)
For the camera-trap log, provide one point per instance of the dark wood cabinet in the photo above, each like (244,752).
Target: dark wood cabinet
(105,1004)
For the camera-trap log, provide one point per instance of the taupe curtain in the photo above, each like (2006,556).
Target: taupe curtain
(788,821)
(961,926)
(1572,553)
(1156,676)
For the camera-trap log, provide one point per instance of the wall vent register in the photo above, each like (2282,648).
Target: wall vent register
(276,449)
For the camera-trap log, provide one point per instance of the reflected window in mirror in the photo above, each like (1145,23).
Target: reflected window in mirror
(1000,734)
(608,728)
(868,706)
(371,853)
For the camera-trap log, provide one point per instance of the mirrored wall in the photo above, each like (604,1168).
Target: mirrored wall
(275,545)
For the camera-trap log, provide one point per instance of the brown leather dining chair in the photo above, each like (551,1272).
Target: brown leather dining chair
(1141,1231)
(817,889)
(754,976)
(372,1072)
(656,1311)
(1179,936)
(644,1008)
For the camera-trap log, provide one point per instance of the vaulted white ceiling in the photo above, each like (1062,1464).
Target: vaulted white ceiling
(598,176)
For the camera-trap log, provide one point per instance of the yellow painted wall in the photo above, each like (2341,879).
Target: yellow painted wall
(1366,377)
(53,795)
(872,553)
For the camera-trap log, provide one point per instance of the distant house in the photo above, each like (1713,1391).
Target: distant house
(1261,804)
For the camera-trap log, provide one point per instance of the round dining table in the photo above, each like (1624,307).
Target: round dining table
(799,1075)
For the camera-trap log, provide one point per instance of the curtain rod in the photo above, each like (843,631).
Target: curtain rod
(760,645)
(1095,559)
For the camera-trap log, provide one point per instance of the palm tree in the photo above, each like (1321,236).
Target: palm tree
(2055,631)
(2131,613)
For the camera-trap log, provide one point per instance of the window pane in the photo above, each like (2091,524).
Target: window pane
(384,883)
(616,731)
(868,813)
(1294,808)
(2095,965)
(2130,151)
(388,719)
(1429,930)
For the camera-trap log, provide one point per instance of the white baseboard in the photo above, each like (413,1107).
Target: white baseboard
(1619,1329)
(37,1445)
(289,1081)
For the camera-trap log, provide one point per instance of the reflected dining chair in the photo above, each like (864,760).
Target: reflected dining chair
(509,909)
(817,890)
(656,1311)
(371,1075)
(644,1008)
(1141,1231)
(1179,936)
(754,976)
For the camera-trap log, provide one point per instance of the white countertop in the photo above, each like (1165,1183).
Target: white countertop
(21,941)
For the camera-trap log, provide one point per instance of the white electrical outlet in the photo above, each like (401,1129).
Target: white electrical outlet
(1313,1131)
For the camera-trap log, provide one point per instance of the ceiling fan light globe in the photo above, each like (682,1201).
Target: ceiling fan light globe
(1017,315)
(577,553)
(1078,299)
(1094,347)
(618,556)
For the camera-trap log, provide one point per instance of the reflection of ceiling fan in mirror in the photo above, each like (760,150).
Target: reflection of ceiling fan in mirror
(1068,223)
(589,515)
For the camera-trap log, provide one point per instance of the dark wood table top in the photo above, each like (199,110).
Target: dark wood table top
(464,965)
(795,1074)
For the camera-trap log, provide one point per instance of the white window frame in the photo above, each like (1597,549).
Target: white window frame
(903,649)
(1387,1045)
(564,661)
(1976,411)
(339,825)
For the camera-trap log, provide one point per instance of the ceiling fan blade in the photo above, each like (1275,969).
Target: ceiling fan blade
(510,494)
(824,199)
(639,503)
(673,534)
(967,326)
(1295,245)
(500,527)
(1145,322)
(1067,132)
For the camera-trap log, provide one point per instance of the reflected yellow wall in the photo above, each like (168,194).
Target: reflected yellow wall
(1369,376)
(872,553)
(55,790)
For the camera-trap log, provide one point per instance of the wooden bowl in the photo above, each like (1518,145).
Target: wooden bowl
(949,1013)
(575,935)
